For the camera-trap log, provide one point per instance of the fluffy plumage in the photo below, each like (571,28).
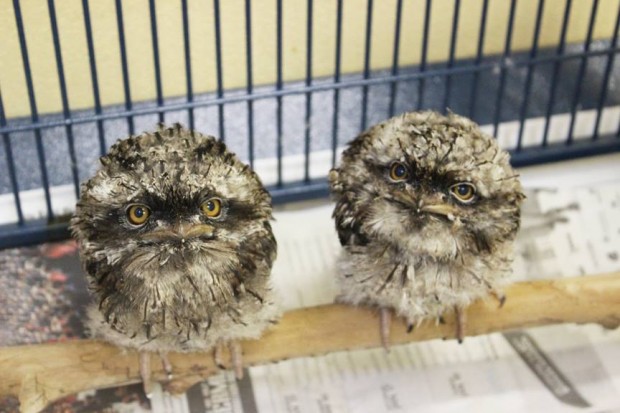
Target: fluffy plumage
(415,238)
(196,272)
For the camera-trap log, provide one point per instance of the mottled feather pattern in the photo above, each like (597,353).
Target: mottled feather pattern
(155,288)
(410,245)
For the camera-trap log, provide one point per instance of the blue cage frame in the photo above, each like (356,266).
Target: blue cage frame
(52,227)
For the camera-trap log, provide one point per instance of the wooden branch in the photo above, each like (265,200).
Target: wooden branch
(38,374)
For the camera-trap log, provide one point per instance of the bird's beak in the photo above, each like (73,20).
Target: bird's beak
(181,231)
(439,209)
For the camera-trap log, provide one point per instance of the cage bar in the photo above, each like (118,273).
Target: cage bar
(530,71)
(156,62)
(34,116)
(218,68)
(395,56)
(503,70)
(6,140)
(556,72)
(93,76)
(124,66)
(423,57)
(450,64)
(364,122)
(63,94)
(336,98)
(249,79)
(188,63)
(477,62)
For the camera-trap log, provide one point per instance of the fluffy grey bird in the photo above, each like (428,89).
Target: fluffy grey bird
(427,208)
(175,237)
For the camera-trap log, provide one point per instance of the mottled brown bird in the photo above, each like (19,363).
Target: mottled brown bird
(175,237)
(427,208)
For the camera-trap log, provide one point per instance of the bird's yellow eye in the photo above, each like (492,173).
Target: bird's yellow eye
(138,214)
(463,192)
(212,207)
(398,172)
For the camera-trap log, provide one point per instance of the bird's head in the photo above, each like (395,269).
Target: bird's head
(427,184)
(169,206)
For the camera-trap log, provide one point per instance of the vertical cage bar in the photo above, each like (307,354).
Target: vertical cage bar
(395,56)
(474,84)
(249,79)
(188,62)
(93,74)
(34,116)
(6,139)
(366,64)
(502,74)
(605,84)
(335,123)
(556,72)
(455,26)
(581,73)
(63,94)
(279,87)
(218,62)
(308,121)
(156,63)
(529,75)
(124,65)
(422,82)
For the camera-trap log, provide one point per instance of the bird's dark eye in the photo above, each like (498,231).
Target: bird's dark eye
(212,207)
(398,172)
(463,192)
(138,214)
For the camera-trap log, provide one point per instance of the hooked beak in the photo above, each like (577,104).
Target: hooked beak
(439,209)
(180,232)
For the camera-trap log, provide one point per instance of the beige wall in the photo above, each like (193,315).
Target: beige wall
(136,14)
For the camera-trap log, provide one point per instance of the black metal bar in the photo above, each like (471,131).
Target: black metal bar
(32,233)
(218,63)
(502,74)
(39,231)
(556,72)
(302,89)
(450,64)
(605,84)
(188,63)
(279,87)
(308,120)
(479,53)
(366,64)
(395,55)
(34,116)
(93,75)
(63,94)
(581,73)
(156,63)
(335,123)
(530,71)
(6,139)
(249,80)
(555,152)
(423,58)
(124,65)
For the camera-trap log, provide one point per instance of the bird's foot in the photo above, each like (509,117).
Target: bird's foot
(217,355)
(145,373)
(461,321)
(385,317)
(236,357)
(165,362)
(500,297)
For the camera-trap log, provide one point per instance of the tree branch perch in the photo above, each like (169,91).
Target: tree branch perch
(39,374)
